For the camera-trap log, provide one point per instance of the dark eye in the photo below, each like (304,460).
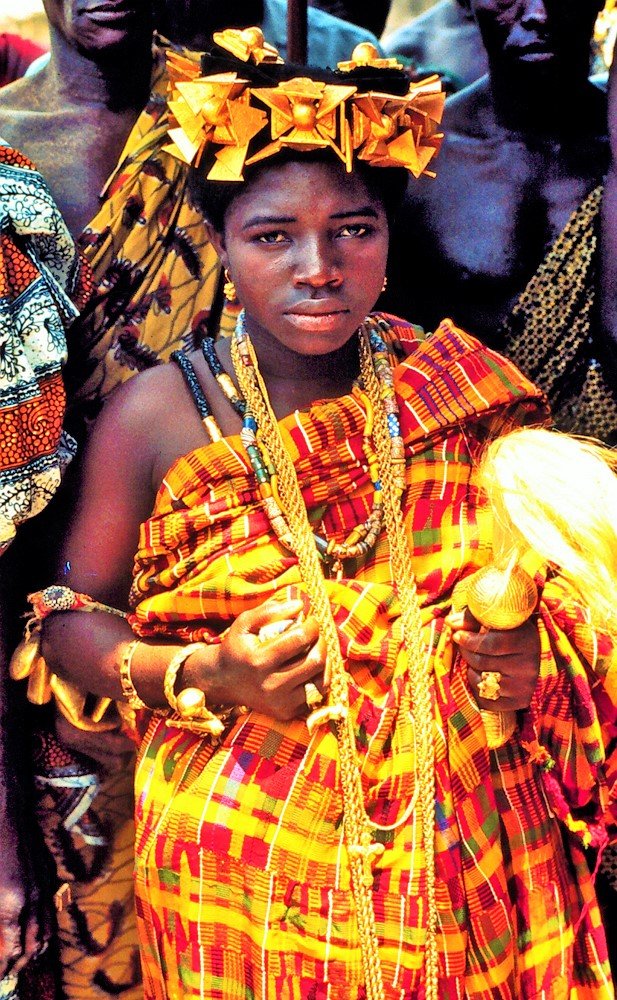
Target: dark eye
(355,229)
(276,236)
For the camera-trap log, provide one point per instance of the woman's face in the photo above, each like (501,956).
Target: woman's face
(306,245)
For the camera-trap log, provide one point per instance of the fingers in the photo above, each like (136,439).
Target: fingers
(111,750)
(287,685)
(501,662)
(272,611)
(294,645)
(498,643)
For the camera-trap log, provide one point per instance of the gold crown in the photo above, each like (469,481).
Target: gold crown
(228,114)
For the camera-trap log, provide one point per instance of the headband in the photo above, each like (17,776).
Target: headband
(225,121)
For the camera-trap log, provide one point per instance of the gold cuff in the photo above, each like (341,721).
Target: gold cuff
(173,670)
(189,706)
(128,688)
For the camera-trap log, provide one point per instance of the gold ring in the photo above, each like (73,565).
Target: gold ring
(489,685)
(312,695)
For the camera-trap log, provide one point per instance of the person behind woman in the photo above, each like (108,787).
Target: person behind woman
(325,804)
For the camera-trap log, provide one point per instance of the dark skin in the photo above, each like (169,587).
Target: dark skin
(72,119)
(193,22)
(306,246)
(74,116)
(511,171)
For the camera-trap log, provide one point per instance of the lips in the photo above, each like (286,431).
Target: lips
(109,11)
(316,317)
(315,307)
(533,51)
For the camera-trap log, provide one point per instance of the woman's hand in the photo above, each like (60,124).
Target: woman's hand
(269,674)
(514,654)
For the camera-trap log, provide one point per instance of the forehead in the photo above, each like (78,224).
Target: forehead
(300,188)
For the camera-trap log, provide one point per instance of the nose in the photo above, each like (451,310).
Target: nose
(317,264)
(534,14)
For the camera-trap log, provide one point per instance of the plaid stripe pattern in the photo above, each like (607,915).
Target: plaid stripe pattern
(242,880)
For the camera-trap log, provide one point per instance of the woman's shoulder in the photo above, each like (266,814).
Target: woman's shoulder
(148,411)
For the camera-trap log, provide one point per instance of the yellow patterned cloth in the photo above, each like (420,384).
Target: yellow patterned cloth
(242,877)
(156,271)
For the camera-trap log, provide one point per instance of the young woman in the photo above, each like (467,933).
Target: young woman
(319,812)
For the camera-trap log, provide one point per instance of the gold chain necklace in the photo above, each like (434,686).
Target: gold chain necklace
(358,829)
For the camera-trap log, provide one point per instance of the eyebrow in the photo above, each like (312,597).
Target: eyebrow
(278,220)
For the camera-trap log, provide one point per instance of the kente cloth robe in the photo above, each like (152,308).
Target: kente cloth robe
(242,876)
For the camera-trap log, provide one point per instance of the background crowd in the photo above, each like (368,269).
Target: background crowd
(515,239)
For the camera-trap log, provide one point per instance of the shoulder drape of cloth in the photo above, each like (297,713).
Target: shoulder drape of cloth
(43,284)
(242,879)
(156,271)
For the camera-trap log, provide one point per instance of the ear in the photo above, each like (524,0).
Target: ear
(217,240)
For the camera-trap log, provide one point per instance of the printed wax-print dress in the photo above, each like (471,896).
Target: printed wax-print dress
(242,877)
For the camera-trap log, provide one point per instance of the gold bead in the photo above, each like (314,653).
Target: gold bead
(254,37)
(364,52)
(304,116)
(211,111)
(384,130)
(190,702)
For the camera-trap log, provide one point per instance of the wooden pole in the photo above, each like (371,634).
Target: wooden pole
(297,31)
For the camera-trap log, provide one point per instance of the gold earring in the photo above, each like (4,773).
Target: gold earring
(229,289)
(385,284)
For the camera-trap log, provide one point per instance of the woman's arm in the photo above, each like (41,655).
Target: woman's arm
(116,494)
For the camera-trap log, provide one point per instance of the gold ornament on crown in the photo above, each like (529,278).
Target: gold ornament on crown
(226,114)
(605,32)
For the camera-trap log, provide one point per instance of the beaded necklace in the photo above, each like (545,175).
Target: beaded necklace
(362,537)
(275,470)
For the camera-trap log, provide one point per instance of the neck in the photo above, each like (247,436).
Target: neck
(543,104)
(81,79)
(295,380)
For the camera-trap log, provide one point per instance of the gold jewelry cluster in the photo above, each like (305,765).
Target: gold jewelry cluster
(226,115)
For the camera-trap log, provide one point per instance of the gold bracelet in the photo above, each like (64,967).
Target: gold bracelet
(189,706)
(173,670)
(128,688)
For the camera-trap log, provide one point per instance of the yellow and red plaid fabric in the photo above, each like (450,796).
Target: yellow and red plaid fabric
(242,879)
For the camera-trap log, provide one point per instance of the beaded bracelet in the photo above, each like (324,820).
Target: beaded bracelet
(128,688)
(189,706)
(57,597)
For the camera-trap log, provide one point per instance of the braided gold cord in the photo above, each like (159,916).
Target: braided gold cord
(419,679)
(358,834)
